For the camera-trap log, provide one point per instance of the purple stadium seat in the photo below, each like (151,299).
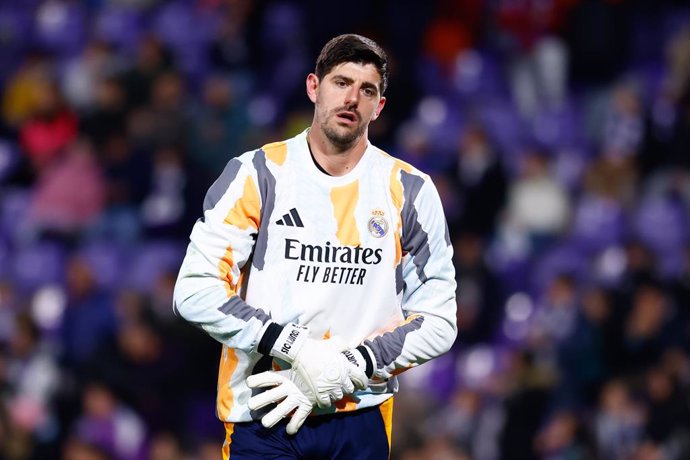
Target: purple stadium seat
(119,26)
(9,158)
(556,128)
(187,30)
(5,258)
(61,27)
(108,262)
(37,265)
(150,261)
(563,259)
(660,224)
(13,210)
(598,223)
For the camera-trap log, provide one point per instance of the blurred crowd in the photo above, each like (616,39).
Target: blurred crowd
(557,133)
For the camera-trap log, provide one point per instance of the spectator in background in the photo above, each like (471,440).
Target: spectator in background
(555,318)
(623,127)
(89,320)
(481,181)
(584,357)
(107,114)
(230,52)
(479,295)
(33,377)
(538,205)
(163,209)
(152,59)
(220,125)
(650,328)
(526,397)
(127,174)
(618,422)
(169,110)
(84,73)
(109,425)
(22,88)
(562,438)
(50,129)
(141,365)
(668,422)
(70,196)
(529,33)
(598,37)
(76,449)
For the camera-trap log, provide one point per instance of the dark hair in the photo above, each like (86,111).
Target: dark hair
(353,48)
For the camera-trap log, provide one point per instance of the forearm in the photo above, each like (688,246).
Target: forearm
(420,338)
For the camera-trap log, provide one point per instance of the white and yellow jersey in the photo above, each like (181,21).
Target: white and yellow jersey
(365,257)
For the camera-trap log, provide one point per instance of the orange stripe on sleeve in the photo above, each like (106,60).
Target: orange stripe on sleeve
(225,269)
(228,364)
(276,152)
(244,214)
(247,209)
(344,201)
(397,196)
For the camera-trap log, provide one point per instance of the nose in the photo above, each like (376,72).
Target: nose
(352,96)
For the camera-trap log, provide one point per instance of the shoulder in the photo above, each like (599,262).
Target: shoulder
(274,152)
(397,166)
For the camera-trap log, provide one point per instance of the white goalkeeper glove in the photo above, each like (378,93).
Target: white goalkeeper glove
(284,392)
(326,368)
(361,365)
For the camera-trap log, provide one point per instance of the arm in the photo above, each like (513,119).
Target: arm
(428,284)
(206,292)
(222,241)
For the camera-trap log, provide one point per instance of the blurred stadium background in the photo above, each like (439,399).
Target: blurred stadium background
(558,134)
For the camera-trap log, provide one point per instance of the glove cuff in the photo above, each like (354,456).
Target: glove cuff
(361,358)
(287,343)
(369,358)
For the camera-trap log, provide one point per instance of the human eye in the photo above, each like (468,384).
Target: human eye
(369,92)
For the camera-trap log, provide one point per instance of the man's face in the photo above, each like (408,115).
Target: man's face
(347,99)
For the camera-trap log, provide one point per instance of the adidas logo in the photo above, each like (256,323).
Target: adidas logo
(291,219)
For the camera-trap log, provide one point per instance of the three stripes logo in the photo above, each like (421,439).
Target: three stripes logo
(291,219)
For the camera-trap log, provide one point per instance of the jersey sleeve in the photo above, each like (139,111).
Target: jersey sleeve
(428,285)
(221,243)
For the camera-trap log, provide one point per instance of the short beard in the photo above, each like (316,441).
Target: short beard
(342,142)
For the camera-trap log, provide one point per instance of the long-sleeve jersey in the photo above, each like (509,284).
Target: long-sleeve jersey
(365,256)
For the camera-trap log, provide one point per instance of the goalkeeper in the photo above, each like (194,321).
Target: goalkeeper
(323,267)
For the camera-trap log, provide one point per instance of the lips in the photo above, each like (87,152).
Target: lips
(349,117)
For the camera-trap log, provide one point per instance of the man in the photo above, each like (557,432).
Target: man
(327,263)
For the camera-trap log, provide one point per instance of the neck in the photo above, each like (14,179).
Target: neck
(334,159)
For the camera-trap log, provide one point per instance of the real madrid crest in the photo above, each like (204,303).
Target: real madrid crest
(378,226)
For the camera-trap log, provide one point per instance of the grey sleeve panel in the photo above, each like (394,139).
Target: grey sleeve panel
(240,309)
(399,281)
(217,190)
(388,347)
(415,241)
(447,236)
(267,189)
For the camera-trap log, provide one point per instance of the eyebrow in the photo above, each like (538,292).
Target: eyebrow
(366,84)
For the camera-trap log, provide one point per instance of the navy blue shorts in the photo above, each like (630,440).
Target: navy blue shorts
(361,435)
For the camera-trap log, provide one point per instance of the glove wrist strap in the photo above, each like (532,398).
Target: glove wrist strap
(368,358)
(289,341)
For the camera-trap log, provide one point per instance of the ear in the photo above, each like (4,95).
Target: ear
(379,108)
(312,87)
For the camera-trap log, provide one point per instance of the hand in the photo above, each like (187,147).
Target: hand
(359,366)
(324,371)
(318,364)
(284,390)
